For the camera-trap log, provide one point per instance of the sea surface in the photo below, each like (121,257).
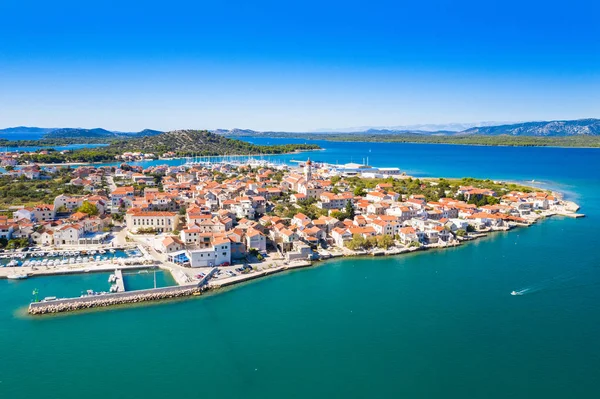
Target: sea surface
(436,324)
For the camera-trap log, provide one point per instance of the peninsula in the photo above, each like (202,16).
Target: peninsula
(214,224)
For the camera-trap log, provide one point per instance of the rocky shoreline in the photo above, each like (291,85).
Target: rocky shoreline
(89,302)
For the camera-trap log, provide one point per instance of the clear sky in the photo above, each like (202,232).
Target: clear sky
(296,65)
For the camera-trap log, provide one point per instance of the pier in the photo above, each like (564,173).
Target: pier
(120,298)
(571,215)
(120,283)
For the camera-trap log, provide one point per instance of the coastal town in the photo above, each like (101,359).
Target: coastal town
(214,224)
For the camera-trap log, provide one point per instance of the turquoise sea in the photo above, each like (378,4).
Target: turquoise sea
(437,324)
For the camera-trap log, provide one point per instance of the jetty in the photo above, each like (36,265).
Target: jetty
(119,281)
(106,300)
(571,215)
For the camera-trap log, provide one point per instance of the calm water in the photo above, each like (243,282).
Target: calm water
(144,279)
(430,325)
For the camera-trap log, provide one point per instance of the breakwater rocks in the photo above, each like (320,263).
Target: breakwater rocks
(96,301)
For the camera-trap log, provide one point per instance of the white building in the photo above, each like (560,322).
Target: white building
(158,221)
(216,254)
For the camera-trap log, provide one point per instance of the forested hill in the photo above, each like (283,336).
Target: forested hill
(581,127)
(200,142)
(74,133)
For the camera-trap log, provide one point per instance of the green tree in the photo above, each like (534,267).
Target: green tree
(357,242)
(359,192)
(385,241)
(349,210)
(88,208)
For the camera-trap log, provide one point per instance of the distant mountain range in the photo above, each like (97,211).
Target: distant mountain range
(563,128)
(580,127)
(425,127)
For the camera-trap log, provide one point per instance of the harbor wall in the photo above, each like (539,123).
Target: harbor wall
(87,302)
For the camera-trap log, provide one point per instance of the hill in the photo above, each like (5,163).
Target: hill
(581,127)
(96,133)
(200,142)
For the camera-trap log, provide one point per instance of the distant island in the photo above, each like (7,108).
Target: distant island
(573,133)
(180,143)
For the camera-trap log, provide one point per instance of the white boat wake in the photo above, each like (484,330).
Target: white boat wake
(561,282)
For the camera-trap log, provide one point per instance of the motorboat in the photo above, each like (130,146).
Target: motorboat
(515,293)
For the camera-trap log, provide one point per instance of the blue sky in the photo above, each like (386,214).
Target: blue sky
(296,65)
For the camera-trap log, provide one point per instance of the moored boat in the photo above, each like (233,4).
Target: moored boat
(21,276)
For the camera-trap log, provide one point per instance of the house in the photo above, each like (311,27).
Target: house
(6,231)
(171,244)
(256,239)
(288,237)
(121,197)
(329,200)
(68,234)
(340,236)
(38,213)
(408,235)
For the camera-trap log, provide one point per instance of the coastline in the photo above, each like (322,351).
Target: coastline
(190,289)
(169,159)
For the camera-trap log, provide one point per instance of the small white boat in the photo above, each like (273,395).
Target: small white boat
(515,293)
(112,278)
(49,299)
(17,276)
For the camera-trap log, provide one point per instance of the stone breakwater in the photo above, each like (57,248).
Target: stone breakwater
(97,301)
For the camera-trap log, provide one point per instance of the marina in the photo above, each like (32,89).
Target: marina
(66,258)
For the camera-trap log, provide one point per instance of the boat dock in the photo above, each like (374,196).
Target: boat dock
(119,282)
(571,215)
